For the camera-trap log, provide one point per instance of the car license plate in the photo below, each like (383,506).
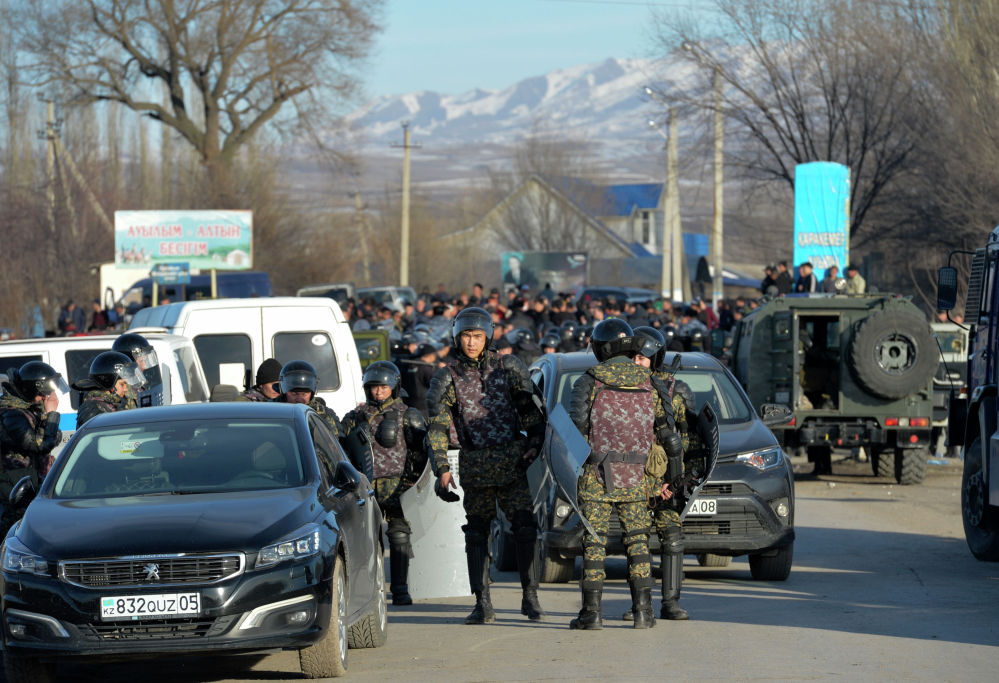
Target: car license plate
(141,606)
(703,506)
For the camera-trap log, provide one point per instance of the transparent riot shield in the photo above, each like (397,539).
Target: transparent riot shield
(565,452)
(438,568)
(357,445)
(707,430)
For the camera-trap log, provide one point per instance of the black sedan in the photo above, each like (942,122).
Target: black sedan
(225,527)
(745,508)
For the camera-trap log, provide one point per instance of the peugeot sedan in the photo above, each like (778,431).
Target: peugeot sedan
(224,527)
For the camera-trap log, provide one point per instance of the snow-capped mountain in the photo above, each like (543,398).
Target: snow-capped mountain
(601,102)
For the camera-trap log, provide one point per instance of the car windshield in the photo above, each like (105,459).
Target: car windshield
(707,385)
(178,457)
(951,342)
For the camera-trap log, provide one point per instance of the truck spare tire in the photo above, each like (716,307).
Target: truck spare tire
(893,354)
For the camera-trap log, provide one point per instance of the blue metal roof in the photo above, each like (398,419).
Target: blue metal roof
(622,199)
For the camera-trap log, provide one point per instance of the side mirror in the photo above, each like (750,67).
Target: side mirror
(774,414)
(946,288)
(23,493)
(346,477)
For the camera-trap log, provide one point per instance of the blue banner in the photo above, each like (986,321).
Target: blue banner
(822,216)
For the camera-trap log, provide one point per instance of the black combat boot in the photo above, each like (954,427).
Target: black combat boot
(672,566)
(641,602)
(529,565)
(589,618)
(478,580)
(399,572)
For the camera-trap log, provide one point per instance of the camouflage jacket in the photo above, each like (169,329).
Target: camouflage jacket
(27,434)
(328,416)
(615,372)
(253,394)
(95,402)
(407,455)
(130,401)
(445,411)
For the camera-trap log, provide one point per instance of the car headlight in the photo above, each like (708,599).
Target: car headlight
(763,459)
(296,548)
(17,557)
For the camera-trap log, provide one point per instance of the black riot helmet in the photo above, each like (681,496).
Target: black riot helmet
(472,318)
(298,375)
(653,344)
(108,367)
(36,378)
(382,372)
(137,348)
(612,337)
(550,340)
(568,330)
(520,335)
(583,333)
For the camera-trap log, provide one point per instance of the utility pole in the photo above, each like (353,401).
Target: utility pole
(404,239)
(673,196)
(362,228)
(50,134)
(718,285)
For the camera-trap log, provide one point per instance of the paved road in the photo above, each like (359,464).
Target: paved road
(883,588)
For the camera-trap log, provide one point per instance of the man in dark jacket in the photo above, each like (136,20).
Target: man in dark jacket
(416,375)
(783,281)
(266,387)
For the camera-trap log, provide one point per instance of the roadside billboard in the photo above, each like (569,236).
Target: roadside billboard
(564,270)
(822,216)
(205,240)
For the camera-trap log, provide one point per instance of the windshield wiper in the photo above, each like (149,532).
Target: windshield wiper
(175,492)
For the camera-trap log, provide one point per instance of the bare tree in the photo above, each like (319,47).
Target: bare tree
(229,66)
(807,81)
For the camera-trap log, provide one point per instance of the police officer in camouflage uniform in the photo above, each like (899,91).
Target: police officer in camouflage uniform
(111,375)
(141,351)
(298,381)
(489,400)
(618,411)
(29,429)
(397,435)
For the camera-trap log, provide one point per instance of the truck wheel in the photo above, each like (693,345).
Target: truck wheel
(554,567)
(980,525)
(893,354)
(883,463)
(712,560)
(822,457)
(327,657)
(910,465)
(774,568)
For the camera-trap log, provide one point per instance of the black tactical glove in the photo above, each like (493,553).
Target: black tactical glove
(445,494)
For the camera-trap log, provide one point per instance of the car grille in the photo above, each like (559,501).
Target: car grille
(723,524)
(160,629)
(736,488)
(135,571)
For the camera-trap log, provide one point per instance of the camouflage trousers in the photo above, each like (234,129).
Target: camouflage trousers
(480,502)
(388,491)
(635,523)
(664,517)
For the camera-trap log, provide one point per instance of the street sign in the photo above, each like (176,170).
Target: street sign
(171,273)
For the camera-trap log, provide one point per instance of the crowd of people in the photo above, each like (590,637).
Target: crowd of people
(778,279)
(74,321)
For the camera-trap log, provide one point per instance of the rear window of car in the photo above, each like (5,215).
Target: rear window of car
(313,347)
(215,349)
(181,457)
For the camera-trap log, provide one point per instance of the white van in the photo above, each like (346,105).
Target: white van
(71,357)
(234,336)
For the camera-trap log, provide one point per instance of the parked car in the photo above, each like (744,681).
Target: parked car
(745,508)
(338,291)
(211,528)
(620,294)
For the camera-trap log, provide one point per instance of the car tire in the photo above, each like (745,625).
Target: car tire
(712,560)
(883,463)
(554,567)
(910,465)
(773,568)
(327,657)
(27,670)
(504,549)
(372,630)
(873,364)
(981,525)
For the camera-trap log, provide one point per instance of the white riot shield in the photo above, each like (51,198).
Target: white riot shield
(565,452)
(707,430)
(438,568)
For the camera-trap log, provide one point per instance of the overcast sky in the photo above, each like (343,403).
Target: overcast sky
(451,46)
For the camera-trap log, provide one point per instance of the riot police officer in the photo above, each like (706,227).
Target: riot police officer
(265,387)
(618,411)
(489,400)
(298,382)
(111,375)
(397,435)
(29,429)
(141,351)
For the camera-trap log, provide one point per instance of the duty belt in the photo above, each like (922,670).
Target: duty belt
(601,460)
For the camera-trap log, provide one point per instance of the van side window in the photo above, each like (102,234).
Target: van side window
(77,368)
(314,347)
(193,391)
(222,348)
(8,362)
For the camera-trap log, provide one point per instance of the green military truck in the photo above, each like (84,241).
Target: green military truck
(856,371)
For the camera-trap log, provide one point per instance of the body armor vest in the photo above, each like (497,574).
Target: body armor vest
(621,433)
(388,461)
(485,413)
